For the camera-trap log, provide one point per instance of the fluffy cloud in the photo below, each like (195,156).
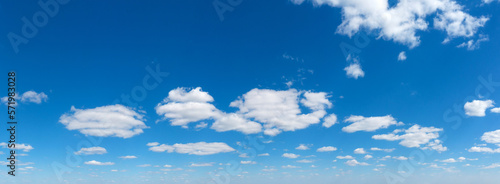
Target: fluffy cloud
(368,157)
(326,149)
(400,22)
(24,147)
(330,120)
(354,71)
(369,124)
(402,56)
(260,110)
(495,110)
(345,157)
(201,164)
(491,137)
(354,162)
(415,136)
(484,149)
(28,97)
(379,149)
(248,162)
(474,44)
(128,157)
(91,151)
(302,147)
(290,155)
(477,107)
(289,167)
(199,148)
(400,158)
(112,120)
(359,151)
(93,162)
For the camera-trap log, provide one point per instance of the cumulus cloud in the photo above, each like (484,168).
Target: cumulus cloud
(477,107)
(199,148)
(28,97)
(415,136)
(91,151)
(330,120)
(368,157)
(201,164)
(354,162)
(302,147)
(248,162)
(128,157)
(260,110)
(354,71)
(491,137)
(345,157)
(326,149)
(290,155)
(401,22)
(369,124)
(484,149)
(24,147)
(112,120)
(359,151)
(93,162)
(402,56)
(380,149)
(495,110)
(289,167)
(474,44)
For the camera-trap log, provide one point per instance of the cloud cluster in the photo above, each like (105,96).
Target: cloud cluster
(260,110)
(401,22)
(28,97)
(112,120)
(199,148)
(369,124)
(415,136)
(492,137)
(478,107)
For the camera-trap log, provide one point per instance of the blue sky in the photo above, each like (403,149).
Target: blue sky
(253,91)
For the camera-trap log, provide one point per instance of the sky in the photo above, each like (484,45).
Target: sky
(238,91)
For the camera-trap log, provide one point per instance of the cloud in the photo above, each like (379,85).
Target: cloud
(474,44)
(93,162)
(477,107)
(369,124)
(153,144)
(401,22)
(304,161)
(345,157)
(484,149)
(450,160)
(402,56)
(144,165)
(368,157)
(495,110)
(128,157)
(359,151)
(330,120)
(248,162)
(290,155)
(112,120)
(415,136)
(289,167)
(354,162)
(91,151)
(400,158)
(263,155)
(354,71)
(260,110)
(199,148)
(379,149)
(302,147)
(201,164)
(28,97)
(492,166)
(24,147)
(326,149)
(491,137)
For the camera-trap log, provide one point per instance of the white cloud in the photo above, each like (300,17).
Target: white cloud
(359,151)
(289,167)
(354,162)
(401,22)
(112,120)
(153,144)
(369,124)
(128,157)
(450,160)
(290,155)
(345,157)
(263,155)
(144,165)
(24,147)
(201,164)
(304,161)
(93,162)
(302,147)
(354,71)
(402,56)
(477,107)
(495,110)
(199,148)
(91,151)
(326,149)
(379,149)
(248,162)
(492,166)
(330,120)
(484,149)
(415,136)
(400,158)
(368,157)
(260,110)
(474,44)
(491,137)
(32,96)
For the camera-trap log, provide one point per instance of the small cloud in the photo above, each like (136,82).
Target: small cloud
(354,71)
(402,56)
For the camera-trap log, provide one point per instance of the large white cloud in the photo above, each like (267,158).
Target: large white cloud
(477,107)
(415,136)
(369,124)
(260,110)
(112,120)
(401,22)
(199,148)
(491,137)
